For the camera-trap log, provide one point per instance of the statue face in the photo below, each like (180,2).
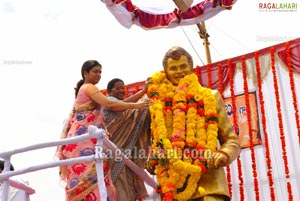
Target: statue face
(177,69)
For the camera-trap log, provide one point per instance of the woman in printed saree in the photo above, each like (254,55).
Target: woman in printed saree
(130,131)
(81,178)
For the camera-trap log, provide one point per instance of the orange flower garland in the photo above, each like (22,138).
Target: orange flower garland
(281,129)
(228,171)
(292,84)
(209,74)
(264,126)
(253,158)
(183,122)
(239,163)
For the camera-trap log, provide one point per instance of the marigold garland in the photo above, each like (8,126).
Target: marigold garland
(264,126)
(253,158)
(209,75)
(183,122)
(281,129)
(232,94)
(228,170)
(292,84)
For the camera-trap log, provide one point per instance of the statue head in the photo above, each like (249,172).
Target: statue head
(177,63)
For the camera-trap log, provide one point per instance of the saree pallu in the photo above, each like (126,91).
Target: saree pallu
(130,131)
(81,178)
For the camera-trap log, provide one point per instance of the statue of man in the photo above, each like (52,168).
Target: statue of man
(192,137)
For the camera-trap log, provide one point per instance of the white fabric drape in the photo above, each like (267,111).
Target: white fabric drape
(273,132)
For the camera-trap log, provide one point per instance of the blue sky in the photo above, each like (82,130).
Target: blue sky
(44,43)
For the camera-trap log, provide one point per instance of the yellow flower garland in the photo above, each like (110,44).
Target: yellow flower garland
(183,123)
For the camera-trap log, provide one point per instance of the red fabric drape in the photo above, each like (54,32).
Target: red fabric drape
(295,58)
(152,20)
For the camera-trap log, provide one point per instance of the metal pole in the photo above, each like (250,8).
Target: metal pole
(204,36)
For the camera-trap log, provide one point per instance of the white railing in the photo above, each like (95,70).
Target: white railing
(93,132)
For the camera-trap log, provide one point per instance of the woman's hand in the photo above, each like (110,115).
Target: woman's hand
(144,104)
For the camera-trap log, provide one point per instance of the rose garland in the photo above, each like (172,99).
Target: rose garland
(184,133)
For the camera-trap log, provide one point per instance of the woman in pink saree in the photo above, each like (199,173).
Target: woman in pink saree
(81,178)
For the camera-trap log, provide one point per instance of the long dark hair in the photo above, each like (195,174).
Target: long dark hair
(86,67)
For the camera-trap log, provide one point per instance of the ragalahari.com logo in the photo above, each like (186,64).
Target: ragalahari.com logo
(278,7)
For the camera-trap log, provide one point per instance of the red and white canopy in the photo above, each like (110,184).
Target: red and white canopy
(155,14)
